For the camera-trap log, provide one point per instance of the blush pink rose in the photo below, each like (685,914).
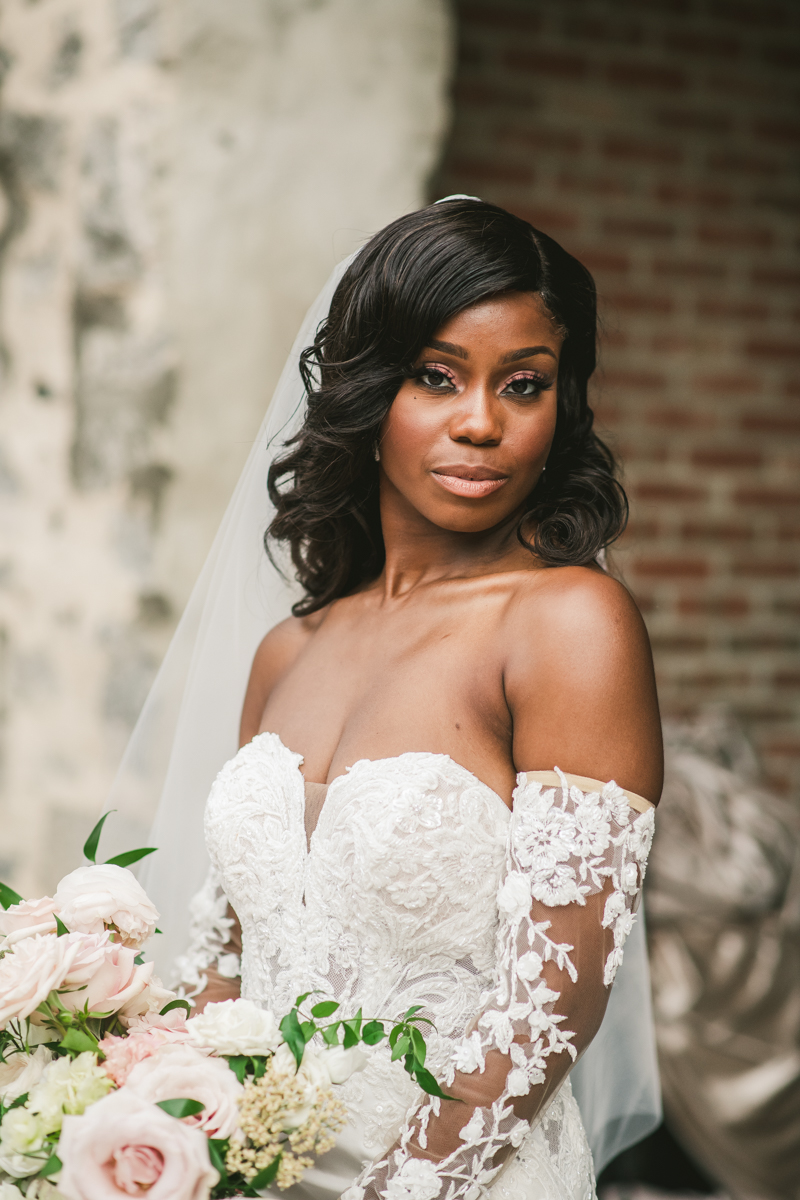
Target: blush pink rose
(26,919)
(105,896)
(123,1146)
(116,982)
(123,1053)
(148,1003)
(38,965)
(181,1071)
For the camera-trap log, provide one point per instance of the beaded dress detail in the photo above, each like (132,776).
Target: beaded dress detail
(420,886)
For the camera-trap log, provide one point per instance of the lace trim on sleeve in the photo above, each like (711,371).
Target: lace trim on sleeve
(574,870)
(209,936)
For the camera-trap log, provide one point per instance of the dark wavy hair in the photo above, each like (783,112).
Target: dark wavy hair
(400,289)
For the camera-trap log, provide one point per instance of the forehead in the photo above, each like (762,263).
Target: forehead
(507,322)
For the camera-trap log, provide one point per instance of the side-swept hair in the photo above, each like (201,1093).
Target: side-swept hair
(406,282)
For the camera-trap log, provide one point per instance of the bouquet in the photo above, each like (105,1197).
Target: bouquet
(110,1088)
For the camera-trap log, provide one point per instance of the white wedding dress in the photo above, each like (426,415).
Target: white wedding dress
(420,886)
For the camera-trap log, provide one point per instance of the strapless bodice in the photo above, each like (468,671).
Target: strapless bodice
(392,903)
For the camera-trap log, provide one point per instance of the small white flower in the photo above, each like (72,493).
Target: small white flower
(312,1074)
(514,896)
(235,1027)
(517,1082)
(473,1129)
(468,1055)
(22,1132)
(529,966)
(417,1179)
(629,877)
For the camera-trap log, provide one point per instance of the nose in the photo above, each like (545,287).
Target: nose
(476,417)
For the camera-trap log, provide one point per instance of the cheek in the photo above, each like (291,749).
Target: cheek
(410,428)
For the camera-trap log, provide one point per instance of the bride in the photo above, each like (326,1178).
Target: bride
(450,751)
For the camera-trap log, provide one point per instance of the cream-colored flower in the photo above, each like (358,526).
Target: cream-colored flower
(20,1072)
(105,896)
(341,1064)
(148,1003)
(235,1027)
(10,1191)
(180,1071)
(417,1179)
(68,1085)
(312,1075)
(514,896)
(123,1146)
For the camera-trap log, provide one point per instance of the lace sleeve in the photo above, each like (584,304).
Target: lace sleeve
(575,863)
(214,939)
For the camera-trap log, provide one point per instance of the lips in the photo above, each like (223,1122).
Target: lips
(464,480)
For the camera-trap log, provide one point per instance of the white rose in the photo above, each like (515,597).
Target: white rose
(341,1064)
(514,896)
(22,1134)
(148,1003)
(26,919)
(20,1072)
(93,898)
(180,1071)
(417,1179)
(235,1027)
(312,1075)
(68,1086)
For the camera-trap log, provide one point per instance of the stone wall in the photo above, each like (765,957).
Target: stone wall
(659,143)
(178,178)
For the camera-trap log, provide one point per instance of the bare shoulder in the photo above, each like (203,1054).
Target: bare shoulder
(580,680)
(276,654)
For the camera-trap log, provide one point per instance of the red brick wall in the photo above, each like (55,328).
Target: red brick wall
(658,141)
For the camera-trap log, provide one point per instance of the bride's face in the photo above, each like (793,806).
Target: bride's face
(467,436)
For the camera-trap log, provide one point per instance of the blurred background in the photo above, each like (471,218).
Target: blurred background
(178,178)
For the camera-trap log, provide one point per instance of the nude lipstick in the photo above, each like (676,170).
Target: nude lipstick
(464,480)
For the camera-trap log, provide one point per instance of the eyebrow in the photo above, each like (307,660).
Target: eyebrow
(514,356)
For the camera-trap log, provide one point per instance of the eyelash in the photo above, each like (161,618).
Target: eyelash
(540,381)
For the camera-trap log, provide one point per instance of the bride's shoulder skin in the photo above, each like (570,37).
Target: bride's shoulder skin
(275,655)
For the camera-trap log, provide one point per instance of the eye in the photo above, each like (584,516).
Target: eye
(526,386)
(435,379)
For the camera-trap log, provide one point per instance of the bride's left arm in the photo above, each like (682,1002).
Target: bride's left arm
(580,689)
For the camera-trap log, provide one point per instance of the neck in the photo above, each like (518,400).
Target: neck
(419,552)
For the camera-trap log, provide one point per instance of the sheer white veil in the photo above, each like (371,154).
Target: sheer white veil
(188,729)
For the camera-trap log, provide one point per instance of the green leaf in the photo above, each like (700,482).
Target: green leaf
(351,1038)
(401,1047)
(217,1149)
(79,1040)
(23,1099)
(415,1008)
(264,1178)
(330,1035)
(293,1036)
(61,928)
(130,856)
(300,999)
(325,1008)
(373,1032)
(395,1034)
(418,1045)
(157,930)
(52,1165)
(238,1064)
(177,1003)
(428,1084)
(8,896)
(139,960)
(308,1029)
(93,840)
(259,1064)
(181,1107)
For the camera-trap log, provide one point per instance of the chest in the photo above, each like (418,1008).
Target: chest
(373,685)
